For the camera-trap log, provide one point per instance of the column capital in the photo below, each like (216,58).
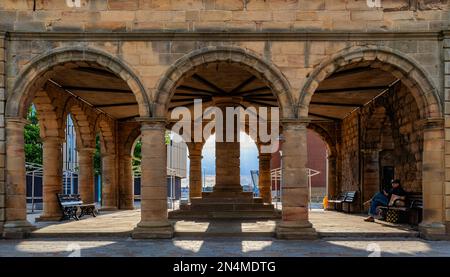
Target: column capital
(432,123)
(107,155)
(152,123)
(370,150)
(52,139)
(295,123)
(16,120)
(265,156)
(195,156)
(86,149)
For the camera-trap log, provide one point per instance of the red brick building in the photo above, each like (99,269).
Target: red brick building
(317,160)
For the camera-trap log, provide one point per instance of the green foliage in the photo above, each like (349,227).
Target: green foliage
(33,142)
(137,153)
(97,157)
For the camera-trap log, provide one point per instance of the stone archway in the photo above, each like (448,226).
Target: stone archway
(332,153)
(41,67)
(420,85)
(261,68)
(27,85)
(404,68)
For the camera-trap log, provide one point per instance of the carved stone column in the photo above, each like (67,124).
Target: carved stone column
(109,184)
(295,223)
(126,183)
(154,222)
(16,224)
(264,180)
(52,179)
(433,177)
(86,174)
(195,172)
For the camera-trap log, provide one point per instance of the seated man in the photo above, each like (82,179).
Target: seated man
(383,198)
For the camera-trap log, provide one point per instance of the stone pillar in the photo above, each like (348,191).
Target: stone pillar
(126,183)
(52,179)
(16,223)
(264,180)
(294,189)
(195,172)
(86,174)
(433,222)
(109,184)
(331,177)
(154,222)
(228,169)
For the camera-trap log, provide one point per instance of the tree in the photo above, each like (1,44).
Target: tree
(33,141)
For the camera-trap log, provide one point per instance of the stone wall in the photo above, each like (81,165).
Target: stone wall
(447,126)
(349,150)
(408,138)
(222,15)
(392,124)
(2,130)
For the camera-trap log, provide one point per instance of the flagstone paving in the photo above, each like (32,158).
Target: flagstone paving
(121,223)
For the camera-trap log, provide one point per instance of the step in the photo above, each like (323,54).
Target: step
(228,194)
(179,214)
(228,207)
(195,200)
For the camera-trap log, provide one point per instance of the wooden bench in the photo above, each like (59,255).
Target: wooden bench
(71,203)
(348,197)
(412,209)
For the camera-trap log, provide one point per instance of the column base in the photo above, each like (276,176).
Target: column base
(433,231)
(107,208)
(126,208)
(48,218)
(17,229)
(298,230)
(153,230)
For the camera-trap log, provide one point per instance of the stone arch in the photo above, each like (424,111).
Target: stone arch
(50,121)
(251,61)
(31,78)
(409,71)
(104,126)
(326,137)
(83,122)
(131,140)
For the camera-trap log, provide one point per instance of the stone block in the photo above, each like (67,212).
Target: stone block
(251,16)
(123,5)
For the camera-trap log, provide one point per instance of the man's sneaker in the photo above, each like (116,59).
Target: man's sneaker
(369,219)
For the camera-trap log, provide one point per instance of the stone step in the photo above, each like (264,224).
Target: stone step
(228,207)
(228,194)
(192,215)
(225,200)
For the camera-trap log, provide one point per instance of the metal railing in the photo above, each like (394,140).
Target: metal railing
(34,171)
(171,175)
(276,177)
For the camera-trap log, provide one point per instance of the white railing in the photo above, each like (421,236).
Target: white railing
(171,175)
(36,171)
(276,177)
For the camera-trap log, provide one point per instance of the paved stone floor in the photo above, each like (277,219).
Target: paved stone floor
(107,235)
(215,247)
(121,223)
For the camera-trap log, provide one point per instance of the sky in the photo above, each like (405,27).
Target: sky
(249,157)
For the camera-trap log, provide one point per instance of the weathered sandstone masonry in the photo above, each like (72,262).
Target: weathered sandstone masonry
(291,50)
